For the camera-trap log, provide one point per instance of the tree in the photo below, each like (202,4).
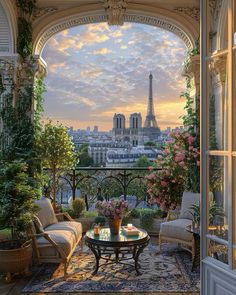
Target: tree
(57,152)
(150,144)
(143,161)
(85,160)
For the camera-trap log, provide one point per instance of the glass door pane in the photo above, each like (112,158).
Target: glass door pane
(218,207)
(217,103)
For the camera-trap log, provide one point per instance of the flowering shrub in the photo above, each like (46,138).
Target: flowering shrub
(114,209)
(166,187)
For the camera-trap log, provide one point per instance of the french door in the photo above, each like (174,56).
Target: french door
(218,147)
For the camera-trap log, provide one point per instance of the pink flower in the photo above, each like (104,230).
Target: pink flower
(164,183)
(191,139)
(198,163)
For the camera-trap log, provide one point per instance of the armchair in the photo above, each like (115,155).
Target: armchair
(54,236)
(175,231)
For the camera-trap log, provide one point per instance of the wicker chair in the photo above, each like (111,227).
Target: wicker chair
(54,236)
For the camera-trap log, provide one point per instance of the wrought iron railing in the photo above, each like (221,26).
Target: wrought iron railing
(93,184)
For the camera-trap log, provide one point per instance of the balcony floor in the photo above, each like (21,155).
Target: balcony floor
(165,273)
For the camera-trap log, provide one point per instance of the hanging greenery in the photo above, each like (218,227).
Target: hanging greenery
(191,121)
(23,104)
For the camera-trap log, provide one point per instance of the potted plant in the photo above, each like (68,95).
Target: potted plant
(114,211)
(216,214)
(17,209)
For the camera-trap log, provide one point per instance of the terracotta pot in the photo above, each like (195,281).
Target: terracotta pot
(15,260)
(114,225)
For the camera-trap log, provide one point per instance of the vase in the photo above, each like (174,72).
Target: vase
(114,225)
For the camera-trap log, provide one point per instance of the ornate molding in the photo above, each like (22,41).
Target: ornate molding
(161,24)
(76,21)
(219,66)
(115,10)
(42,11)
(194,13)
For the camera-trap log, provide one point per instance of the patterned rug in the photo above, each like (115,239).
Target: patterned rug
(169,271)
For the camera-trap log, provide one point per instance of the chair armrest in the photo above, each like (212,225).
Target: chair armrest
(51,241)
(64,216)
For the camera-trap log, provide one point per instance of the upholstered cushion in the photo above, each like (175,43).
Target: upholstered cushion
(64,239)
(187,201)
(71,226)
(38,225)
(176,229)
(46,213)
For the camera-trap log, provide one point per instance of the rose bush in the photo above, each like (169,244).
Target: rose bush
(166,186)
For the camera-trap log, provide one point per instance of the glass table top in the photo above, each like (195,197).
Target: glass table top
(106,236)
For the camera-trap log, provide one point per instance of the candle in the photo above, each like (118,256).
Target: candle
(129,226)
(96,229)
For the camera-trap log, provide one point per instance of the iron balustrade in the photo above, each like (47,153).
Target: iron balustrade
(94,179)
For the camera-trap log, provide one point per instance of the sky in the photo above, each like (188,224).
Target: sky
(95,71)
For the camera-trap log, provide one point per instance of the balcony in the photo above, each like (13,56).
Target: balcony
(168,270)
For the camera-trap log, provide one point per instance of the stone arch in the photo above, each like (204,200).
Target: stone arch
(168,20)
(7,28)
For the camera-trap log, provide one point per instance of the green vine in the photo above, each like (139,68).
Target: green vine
(21,120)
(24,41)
(191,121)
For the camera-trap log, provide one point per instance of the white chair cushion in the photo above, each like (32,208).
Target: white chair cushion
(64,239)
(71,226)
(46,213)
(188,200)
(176,229)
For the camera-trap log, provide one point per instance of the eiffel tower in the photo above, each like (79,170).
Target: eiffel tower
(150,118)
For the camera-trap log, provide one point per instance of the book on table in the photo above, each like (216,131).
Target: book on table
(133,231)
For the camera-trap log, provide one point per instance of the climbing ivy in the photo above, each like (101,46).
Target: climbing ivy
(21,120)
(191,121)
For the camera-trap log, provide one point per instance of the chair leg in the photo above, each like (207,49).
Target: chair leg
(65,270)
(160,242)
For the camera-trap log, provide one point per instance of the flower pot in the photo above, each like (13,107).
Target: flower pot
(114,225)
(15,257)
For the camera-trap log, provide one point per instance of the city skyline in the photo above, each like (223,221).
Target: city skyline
(96,71)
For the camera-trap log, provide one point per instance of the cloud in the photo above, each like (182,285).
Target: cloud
(102,51)
(88,85)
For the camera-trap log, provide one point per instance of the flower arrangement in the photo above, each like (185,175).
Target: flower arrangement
(113,209)
(166,187)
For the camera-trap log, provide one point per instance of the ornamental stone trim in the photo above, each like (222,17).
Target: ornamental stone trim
(194,13)
(76,21)
(39,12)
(115,11)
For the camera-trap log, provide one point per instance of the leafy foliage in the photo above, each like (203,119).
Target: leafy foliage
(56,151)
(216,213)
(17,196)
(143,161)
(167,185)
(26,6)
(78,206)
(24,41)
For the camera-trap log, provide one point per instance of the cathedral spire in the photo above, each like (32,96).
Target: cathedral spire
(150,118)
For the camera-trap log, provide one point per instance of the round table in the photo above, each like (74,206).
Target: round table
(116,248)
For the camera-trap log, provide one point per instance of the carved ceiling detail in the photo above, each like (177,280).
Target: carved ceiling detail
(76,21)
(115,10)
(192,12)
(42,11)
